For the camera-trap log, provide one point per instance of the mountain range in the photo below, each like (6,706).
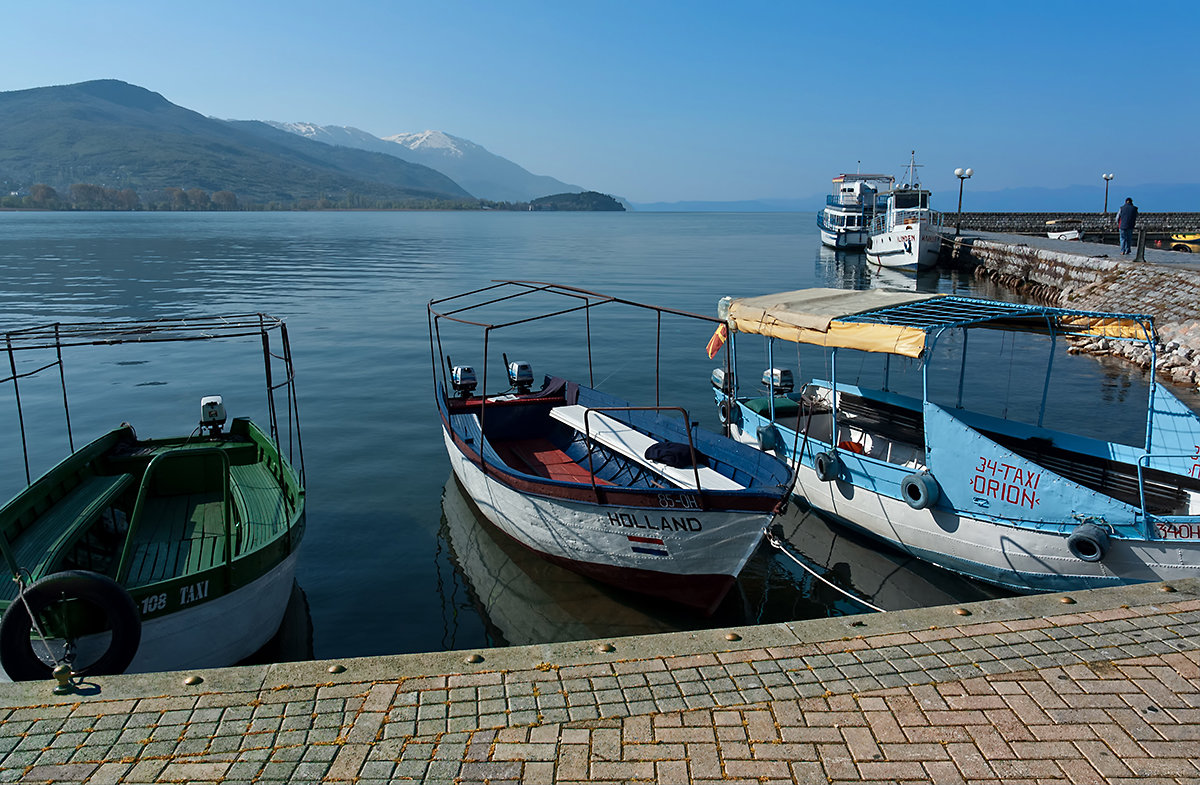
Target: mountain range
(483,174)
(120,136)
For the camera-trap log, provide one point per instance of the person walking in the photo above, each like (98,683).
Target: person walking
(1126,219)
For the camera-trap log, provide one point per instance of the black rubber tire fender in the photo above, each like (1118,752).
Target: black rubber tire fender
(16,650)
(1088,542)
(919,490)
(827,466)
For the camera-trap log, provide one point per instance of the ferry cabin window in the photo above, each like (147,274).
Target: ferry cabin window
(910,201)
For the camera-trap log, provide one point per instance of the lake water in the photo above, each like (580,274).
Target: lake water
(394,559)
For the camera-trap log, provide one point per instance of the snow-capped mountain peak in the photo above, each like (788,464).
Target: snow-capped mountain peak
(430,141)
(483,174)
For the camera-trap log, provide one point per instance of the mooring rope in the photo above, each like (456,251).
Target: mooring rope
(33,620)
(777,542)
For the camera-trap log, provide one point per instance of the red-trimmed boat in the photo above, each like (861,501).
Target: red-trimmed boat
(634,496)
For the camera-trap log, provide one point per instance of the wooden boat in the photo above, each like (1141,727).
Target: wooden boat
(575,474)
(152,554)
(1012,502)
(1064,229)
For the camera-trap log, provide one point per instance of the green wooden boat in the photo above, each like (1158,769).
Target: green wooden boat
(153,554)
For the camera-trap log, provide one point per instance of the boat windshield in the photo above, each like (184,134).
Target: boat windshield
(910,200)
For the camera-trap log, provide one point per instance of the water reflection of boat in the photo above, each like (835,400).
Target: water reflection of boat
(884,577)
(525,599)
(530,600)
(910,280)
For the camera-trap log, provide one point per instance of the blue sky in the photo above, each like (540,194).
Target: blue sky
(667,101)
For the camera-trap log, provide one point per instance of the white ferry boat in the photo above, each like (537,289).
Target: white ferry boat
(846,219)
(907,235)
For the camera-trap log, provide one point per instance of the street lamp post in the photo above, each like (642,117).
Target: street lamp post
(961,174)
(1107,176)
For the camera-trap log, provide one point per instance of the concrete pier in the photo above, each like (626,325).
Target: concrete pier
(1095,686)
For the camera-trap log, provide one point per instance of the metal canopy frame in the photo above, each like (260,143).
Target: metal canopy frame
(57,336)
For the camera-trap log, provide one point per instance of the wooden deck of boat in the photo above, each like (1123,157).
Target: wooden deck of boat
(541,458)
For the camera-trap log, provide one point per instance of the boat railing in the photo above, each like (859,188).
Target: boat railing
(896,218)
(844,200)
(1156,526)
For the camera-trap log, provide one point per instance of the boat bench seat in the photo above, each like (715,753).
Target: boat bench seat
(59,525)
(181,534)
(632,443)
(259,496)
(542,458)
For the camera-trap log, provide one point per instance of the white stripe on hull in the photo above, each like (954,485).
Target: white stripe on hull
(705,542)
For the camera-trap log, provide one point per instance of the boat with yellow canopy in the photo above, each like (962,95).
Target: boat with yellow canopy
(1001,496)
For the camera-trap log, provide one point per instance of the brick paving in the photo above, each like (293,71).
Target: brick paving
(1100,686)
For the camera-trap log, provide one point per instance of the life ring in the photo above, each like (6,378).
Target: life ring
(920,490)
(1088,542)
(17,654)
(727,412)
(827,466)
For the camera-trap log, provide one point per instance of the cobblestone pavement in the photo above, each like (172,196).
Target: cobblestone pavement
(1100,686)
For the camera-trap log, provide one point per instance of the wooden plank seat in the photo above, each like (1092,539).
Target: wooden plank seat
(178,526)
(260,499)
(179,534)
(542,458)
(65,521)
(632,443)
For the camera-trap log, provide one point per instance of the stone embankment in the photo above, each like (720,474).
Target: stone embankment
(1085,276)
(1093,224)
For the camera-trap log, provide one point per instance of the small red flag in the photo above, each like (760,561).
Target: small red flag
(717,341)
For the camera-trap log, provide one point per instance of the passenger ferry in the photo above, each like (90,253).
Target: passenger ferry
(907,235)
(845,221)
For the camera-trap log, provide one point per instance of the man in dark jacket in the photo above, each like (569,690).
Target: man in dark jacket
(1126,219)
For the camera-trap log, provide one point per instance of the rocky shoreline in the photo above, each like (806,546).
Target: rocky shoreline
(1102,283)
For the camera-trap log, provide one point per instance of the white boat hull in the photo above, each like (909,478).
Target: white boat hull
(220,632)
(217,633)
(843,240)
(913,246)
(1015,558)
(674,548)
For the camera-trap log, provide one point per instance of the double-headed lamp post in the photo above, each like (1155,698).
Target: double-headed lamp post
(1107,176)
(961,174)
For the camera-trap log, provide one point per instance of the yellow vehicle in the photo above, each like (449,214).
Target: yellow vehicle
(1188,243)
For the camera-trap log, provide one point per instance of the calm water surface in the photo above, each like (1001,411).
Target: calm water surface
(395,560)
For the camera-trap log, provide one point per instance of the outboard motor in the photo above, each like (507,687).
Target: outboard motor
(778,380)
(722,381)
(520,375)
(462,379)
(212,414)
